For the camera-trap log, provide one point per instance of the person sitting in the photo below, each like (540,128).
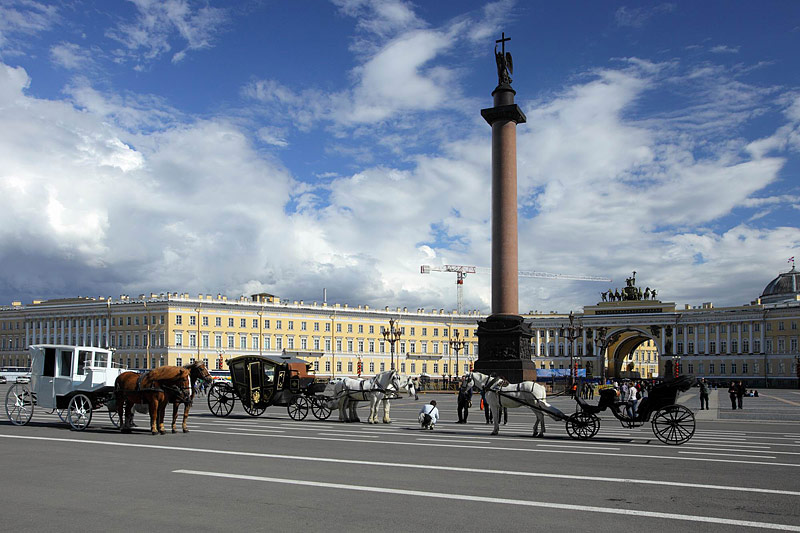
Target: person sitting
(429,415)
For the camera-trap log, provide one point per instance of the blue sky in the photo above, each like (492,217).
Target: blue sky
(287,147)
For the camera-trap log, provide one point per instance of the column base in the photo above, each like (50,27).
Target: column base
(504,348)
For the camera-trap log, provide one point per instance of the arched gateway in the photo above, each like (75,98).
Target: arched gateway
(630,332)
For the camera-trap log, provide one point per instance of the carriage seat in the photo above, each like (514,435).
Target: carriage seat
(586,407)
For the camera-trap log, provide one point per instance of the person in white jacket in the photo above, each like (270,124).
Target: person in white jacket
(429,415)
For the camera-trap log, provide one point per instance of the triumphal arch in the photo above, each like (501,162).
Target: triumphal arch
(631,332)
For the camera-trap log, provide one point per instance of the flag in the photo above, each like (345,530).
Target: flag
(791,260)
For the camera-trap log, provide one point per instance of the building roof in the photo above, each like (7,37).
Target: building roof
(786,287)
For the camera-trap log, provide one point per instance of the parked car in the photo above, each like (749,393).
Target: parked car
(3,379)
(23,379)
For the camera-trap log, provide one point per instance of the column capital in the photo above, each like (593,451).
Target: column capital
(504,112)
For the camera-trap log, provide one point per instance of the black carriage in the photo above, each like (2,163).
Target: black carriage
(259,381)
(672,423)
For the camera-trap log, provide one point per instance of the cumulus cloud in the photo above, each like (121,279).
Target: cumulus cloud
(119,192)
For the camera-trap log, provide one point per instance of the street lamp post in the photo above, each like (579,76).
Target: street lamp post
(572,332)
(456,345)
(603,341)
(392,335)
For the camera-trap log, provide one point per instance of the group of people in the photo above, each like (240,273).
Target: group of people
(429,413)
(631,393)
(736,392)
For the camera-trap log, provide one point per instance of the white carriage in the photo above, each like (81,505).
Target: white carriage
(71,381)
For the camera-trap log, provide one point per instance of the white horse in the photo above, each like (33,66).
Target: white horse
(500,394)
(379,399)
(349,392)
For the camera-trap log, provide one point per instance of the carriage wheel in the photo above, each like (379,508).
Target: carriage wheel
(19,404)
(673,424)
(583,426)
(320,409)
(298,407)
(114,416)
(253,409)
(79,412)
(221,399)
(62,415)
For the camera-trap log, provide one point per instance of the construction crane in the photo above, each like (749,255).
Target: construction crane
(462,271)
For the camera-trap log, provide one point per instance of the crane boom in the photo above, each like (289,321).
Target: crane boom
(462,271)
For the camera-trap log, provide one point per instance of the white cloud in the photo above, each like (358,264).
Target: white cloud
(25,17)
(161,24)
(637,17)
(70,55)
(724,49)
(273,136)
(383,18)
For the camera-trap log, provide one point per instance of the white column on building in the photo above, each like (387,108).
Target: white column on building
(27,334)
(85,330)
(728,337)
(34,339)
(69,331)
(685,339)
(91,331)
(583,342)
(546,342)
(739,340)
(750,328)
(761,337)
(696,349)
(707,339)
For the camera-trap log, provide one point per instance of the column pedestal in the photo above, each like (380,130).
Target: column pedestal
(504,348)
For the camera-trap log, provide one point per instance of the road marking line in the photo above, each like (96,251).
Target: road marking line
(503,501)
(254,429)
(433,439)
(337,435)
(576,446)
(500,448)
(730,455)
(436,467)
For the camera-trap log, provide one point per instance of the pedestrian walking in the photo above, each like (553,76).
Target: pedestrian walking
(732,394)
(740,390)
(429,415)
(630,401)
(464,401)
(703,394)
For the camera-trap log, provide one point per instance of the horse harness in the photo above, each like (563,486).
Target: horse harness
(181,394)
(489,387)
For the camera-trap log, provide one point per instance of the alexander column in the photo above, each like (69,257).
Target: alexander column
(504,338)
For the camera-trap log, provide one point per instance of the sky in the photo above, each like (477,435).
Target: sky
(288,147)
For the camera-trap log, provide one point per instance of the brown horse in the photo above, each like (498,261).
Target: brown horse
(157,388)
(196,371)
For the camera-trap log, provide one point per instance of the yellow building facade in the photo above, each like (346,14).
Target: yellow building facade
(757,343)
(176,329)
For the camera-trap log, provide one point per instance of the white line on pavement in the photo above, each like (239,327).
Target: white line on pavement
(434,439)
(337,435)
(469,470)
(730,455)
(501,501)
